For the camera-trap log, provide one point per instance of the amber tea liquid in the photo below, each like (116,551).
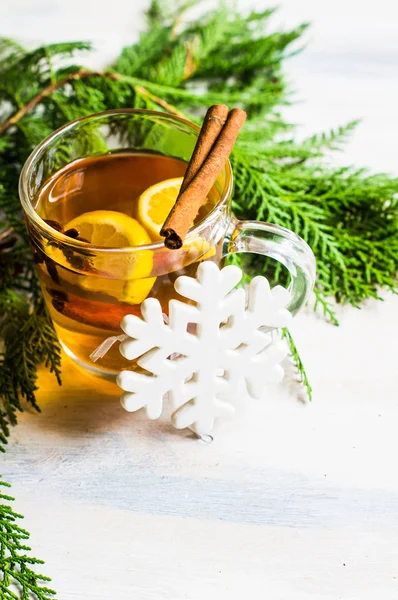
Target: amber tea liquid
(86,296)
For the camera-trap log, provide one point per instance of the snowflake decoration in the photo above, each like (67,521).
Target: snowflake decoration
(201,356)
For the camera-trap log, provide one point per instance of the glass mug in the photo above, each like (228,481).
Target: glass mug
(82,282)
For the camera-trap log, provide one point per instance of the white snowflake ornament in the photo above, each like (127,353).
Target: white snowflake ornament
(207,348)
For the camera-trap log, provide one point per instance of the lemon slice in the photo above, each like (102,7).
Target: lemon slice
(111,229)
(198,250)
(155,204)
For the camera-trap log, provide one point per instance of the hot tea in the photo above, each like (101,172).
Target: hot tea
(115,201)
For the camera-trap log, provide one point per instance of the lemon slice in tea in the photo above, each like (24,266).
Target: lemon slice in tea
(198,250)
(155,204)
(111,229)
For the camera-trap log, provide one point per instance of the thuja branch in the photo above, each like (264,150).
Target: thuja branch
(17,567)
(80,75)
(298,365)
(50,89)
(168,107)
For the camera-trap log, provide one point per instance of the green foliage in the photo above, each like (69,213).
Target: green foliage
(349,220)
(221,57)
(183,64)
(18,579)
(29,340)
(299,367)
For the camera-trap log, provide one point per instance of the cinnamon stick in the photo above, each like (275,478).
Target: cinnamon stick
(212,124)
(193,195)
(91,312)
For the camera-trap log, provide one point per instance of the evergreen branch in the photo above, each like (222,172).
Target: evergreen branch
(18,578)
(332,139)
(50,89)
(159,101)
(29,340)
(326,307)
(79,75)
(301,372)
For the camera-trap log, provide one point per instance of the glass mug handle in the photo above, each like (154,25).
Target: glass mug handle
(283,246)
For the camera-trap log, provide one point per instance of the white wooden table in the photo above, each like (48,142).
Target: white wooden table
(291,501)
